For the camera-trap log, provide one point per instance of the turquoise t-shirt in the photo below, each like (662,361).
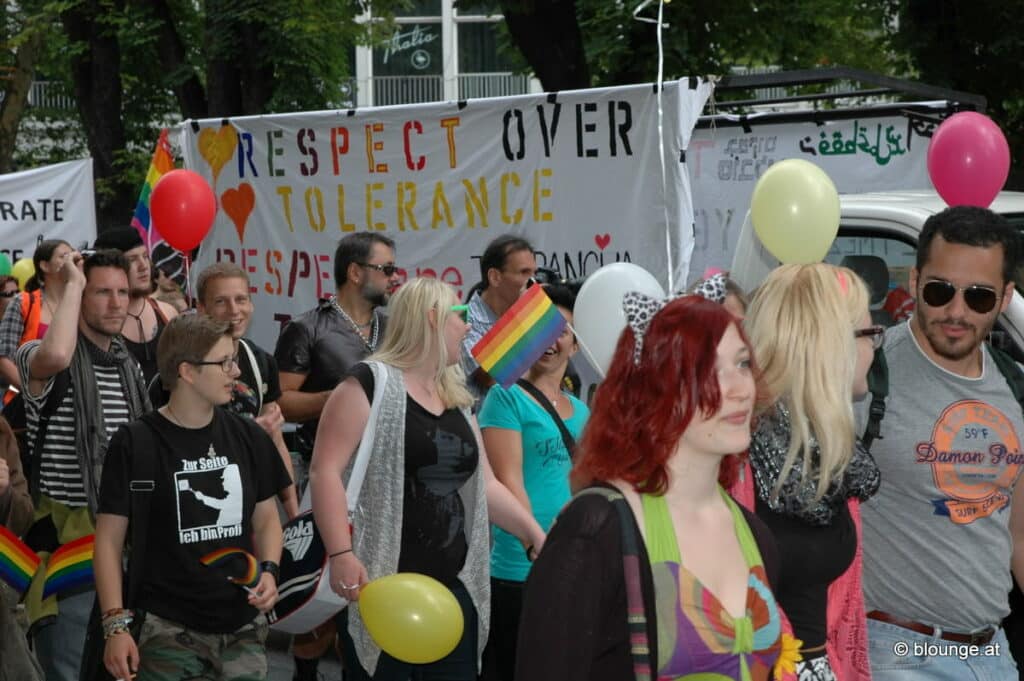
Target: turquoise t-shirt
(546,466)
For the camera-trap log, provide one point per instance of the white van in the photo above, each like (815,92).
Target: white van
(878,235)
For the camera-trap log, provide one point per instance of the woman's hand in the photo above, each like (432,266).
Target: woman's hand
(532,544)
(264,594)
(121,656)
(348,576)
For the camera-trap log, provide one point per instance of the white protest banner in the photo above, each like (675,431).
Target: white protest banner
(51,202)
(869,153)
(577,173)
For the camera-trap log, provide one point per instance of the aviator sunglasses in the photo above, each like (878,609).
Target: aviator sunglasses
(980,299)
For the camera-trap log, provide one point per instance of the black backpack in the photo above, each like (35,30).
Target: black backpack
(878,386)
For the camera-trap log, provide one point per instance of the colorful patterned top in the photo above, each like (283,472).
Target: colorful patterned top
(698,639)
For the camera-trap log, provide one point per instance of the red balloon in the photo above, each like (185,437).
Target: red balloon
(182,207)
(968,160)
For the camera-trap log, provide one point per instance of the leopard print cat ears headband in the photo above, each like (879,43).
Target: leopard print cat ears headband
(640,308)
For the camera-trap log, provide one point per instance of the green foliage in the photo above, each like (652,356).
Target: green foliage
(710,38)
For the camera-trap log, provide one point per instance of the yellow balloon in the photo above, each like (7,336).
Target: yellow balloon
(795,211)
(23,271)
(412,617)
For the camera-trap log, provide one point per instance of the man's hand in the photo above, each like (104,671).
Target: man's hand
(264,594)
(270,419)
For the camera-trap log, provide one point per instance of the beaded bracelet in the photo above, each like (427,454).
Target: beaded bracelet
(117,624)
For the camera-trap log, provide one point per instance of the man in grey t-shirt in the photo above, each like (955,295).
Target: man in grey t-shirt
(946,526)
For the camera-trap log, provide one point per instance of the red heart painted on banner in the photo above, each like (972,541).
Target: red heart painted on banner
(602,240)
(238,204)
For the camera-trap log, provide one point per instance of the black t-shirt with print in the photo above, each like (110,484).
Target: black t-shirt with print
(207,483)
(440,454)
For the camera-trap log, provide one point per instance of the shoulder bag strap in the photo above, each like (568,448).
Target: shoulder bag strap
(643,645)
(362,461)
(141,486)
(543,401)
(257,374)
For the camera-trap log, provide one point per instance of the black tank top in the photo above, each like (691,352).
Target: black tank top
(146,352)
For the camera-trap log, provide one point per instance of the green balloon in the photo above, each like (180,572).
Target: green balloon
(5,264)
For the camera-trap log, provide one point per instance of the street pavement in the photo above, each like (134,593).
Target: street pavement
(280,660)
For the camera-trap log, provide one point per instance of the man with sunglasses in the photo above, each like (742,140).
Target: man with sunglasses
(947,525)
(316,350)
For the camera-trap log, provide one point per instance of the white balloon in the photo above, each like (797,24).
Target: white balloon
(598,314)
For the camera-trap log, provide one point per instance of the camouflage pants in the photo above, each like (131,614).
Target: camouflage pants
(172,652)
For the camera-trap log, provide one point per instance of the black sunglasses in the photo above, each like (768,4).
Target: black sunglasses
(8,294)
(981,299)
(388,270)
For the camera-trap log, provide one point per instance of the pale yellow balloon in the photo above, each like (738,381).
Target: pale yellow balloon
(412,617)
(23,271)
(795,211)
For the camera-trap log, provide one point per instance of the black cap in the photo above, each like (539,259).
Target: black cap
(119,238)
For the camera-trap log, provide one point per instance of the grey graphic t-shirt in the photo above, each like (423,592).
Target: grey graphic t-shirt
(936,536)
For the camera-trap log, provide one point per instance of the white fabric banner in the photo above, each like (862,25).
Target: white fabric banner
(869,153)
(52,202)
(577,173)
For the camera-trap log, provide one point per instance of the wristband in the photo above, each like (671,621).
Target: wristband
(340,553)
(273,568)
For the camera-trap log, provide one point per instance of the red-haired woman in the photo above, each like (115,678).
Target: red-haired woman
(653,571)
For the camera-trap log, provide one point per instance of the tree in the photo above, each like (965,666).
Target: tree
(975,46)
(699,38)
(134,64)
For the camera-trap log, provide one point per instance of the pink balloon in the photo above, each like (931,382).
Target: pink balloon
(968,160)
(182,207)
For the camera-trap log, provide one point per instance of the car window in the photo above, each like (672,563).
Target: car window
(884,263)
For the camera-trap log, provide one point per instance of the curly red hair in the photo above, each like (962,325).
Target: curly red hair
(640,412)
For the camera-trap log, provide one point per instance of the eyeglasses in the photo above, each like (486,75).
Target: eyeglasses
(226,364)
(388,270)
(876,333)
(8,294)
(981,299)
(462,311)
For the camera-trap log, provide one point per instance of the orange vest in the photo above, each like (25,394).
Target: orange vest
(31,310)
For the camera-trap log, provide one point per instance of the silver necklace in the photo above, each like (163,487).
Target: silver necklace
(371,342)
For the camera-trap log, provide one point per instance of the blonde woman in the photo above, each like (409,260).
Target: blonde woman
(428,489)
(813,340)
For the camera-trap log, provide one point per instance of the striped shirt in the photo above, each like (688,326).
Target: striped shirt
(60,474)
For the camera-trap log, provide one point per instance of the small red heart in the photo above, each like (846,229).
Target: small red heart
(238,204)
(602,240)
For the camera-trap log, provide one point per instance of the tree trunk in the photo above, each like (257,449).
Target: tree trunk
(96,74)
(188,89)
(16,97)
(548,34)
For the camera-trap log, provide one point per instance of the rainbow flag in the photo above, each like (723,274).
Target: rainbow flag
(520,337)
(162,162)
(18,563)
(70,566)
(226,558)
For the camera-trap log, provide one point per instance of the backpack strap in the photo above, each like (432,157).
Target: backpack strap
(257,373)
(1011,371)
(878,386)
(59,389)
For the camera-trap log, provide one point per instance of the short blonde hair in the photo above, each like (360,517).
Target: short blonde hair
(410,341)
(801,323)
(218,270)
(186,338)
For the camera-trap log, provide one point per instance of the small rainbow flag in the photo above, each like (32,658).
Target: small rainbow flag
(520,337)
(225,558)
(17,561)
(70,566)
(162,163)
